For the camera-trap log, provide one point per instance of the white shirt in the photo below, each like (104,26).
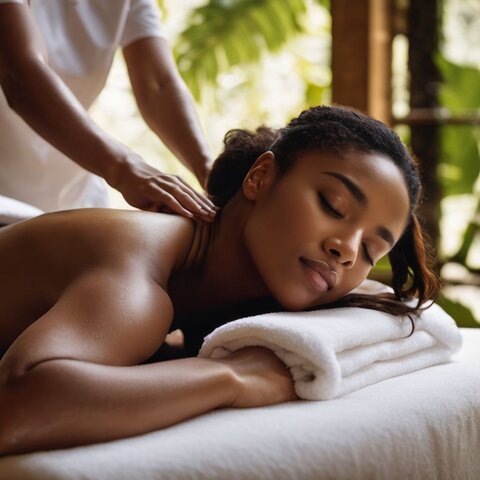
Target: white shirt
(81,38)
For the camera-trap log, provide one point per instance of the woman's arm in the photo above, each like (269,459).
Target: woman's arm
(63,403)
(71,377)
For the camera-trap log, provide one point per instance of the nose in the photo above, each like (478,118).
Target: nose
(344,250)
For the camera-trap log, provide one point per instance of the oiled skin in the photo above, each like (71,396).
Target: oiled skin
(41,258)
(108,285)
(84,304)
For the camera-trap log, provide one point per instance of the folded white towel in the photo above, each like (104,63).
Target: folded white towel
(334,352)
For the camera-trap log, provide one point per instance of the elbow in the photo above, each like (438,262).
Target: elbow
(32,417)
(10,89)
(11,83)
(153,93)
(16,82)
(10,423)
(14,434)
(20,417)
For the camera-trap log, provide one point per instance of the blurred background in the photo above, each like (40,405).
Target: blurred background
(414,64)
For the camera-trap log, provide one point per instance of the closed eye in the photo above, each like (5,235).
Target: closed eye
(328,208)
(336,214)
(367,256)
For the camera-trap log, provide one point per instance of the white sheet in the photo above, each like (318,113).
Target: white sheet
(12,211)
(423,425)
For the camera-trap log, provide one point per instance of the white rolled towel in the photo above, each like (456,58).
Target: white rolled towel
(334,352)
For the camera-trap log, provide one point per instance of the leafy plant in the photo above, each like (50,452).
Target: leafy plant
(224,33)
(462,315)
(460,160)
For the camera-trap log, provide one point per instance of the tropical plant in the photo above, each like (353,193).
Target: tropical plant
(460,154)
(225,33)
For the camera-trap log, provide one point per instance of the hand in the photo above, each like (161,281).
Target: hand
(262,378)
(145,187)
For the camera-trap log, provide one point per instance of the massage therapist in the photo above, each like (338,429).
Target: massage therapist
(55,57)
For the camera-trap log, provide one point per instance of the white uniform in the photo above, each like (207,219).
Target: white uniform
(81,37)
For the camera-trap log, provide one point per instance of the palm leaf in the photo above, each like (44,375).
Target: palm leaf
(225,33)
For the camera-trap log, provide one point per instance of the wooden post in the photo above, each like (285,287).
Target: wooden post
(361,55)
(423,25)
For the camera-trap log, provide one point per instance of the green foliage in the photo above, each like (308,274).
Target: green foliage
(462,315)
(460,159)
(315,94)
(224,33)
(468,238)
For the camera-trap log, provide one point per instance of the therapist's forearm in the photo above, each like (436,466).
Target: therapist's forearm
(169,110)
(46,104)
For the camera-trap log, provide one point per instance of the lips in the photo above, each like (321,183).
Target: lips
(321,274)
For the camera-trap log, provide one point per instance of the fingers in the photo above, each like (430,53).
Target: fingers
(206,203)
(147,188)
(180,199)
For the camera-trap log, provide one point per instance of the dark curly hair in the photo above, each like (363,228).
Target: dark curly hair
(337,129)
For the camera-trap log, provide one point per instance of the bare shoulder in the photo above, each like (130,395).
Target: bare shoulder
(105,316)
(157,242)
(86,238)
(45,258)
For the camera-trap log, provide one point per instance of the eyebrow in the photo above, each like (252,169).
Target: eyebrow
(358,194)
(354,189)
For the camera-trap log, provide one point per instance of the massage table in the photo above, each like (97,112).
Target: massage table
(423,425)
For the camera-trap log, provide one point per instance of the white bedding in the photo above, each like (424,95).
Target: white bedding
(424,425)
(12,211)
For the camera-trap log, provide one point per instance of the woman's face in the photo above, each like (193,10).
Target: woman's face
(315,233)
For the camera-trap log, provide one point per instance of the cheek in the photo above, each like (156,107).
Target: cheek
(282,223)
(353,278)
(271,239)
(261,234)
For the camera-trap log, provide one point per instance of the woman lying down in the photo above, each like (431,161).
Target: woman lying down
(89,296)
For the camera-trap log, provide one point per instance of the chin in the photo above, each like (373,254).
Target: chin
(298,303)
(294,303)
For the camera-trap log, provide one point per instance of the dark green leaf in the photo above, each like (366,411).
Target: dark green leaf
(460,313)
(460,160)
(225,33)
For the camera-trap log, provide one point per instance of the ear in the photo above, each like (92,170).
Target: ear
(260,176)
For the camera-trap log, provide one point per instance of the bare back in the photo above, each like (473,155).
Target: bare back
(41,258)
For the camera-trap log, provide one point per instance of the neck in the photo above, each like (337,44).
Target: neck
(218,271)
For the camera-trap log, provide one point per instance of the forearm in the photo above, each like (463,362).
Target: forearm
(168,109)
(45,103)
(63,403)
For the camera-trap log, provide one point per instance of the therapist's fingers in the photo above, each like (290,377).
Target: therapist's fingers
(206,202)
(147,188)
(174,196)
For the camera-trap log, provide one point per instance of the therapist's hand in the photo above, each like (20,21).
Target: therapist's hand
(147,188)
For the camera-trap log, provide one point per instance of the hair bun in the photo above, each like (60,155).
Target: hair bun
(241,149)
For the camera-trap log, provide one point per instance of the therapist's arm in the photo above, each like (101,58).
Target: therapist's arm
(166,103)
(38,95)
